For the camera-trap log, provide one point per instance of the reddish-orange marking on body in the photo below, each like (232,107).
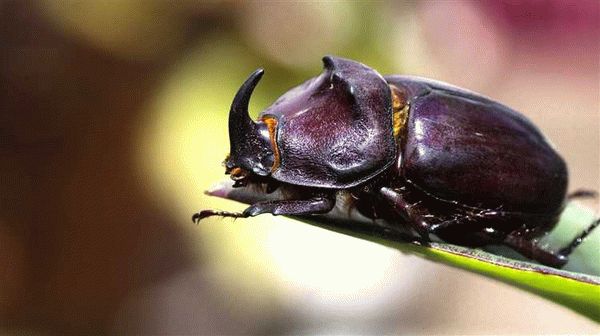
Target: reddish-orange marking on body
(272,127)
(238,173)
(400,110)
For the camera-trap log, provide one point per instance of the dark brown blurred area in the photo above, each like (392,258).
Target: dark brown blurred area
(77,229)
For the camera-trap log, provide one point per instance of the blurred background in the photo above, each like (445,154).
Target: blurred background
(113,123)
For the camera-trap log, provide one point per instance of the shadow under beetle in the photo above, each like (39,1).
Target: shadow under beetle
(420,154)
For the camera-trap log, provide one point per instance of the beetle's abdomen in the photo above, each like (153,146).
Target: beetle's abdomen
(466,148)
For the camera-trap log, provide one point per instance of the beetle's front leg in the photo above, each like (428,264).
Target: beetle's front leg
(314,205)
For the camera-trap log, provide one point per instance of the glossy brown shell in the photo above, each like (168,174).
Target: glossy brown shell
(465,148)
(335,130)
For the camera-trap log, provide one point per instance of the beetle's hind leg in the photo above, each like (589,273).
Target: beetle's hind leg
(566,251)
(582,193)
(528,247)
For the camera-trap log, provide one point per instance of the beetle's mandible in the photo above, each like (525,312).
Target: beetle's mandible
(422,155)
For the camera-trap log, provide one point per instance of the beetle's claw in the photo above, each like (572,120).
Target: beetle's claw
(198,216)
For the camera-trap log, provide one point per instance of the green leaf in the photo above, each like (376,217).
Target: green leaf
(577,291)
(577,287)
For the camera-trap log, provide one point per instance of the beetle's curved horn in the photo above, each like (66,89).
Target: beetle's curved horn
(249,140)
(240,123)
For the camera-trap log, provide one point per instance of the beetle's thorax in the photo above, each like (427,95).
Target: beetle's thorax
(335,130)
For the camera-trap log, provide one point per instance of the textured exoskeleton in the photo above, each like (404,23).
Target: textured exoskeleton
(420,154)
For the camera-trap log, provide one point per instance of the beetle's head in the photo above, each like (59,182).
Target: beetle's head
(252,152)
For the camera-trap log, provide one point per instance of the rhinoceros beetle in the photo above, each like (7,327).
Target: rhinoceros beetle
(417,153)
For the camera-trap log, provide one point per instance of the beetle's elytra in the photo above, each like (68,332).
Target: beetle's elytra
(417,153)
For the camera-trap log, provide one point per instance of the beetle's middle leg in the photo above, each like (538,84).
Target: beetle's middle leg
(408,211)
